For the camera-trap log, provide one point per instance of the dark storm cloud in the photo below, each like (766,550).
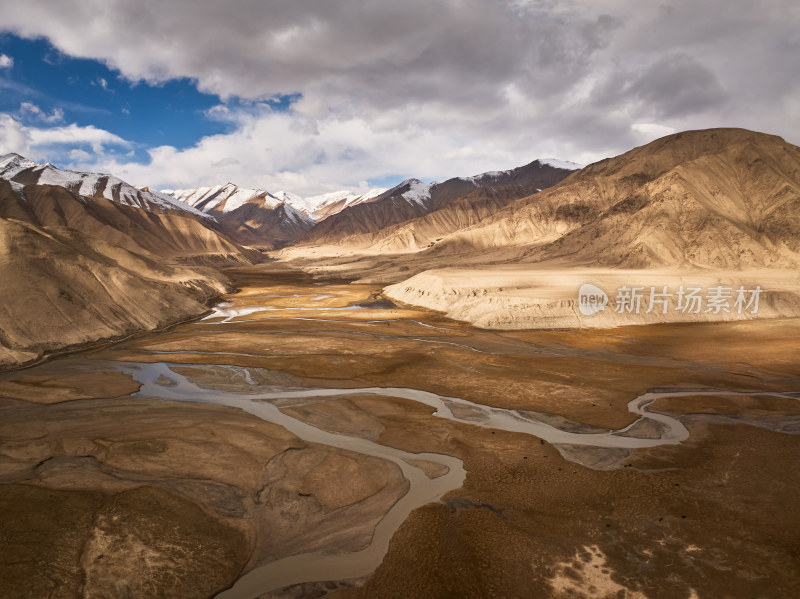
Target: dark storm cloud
(676,86)
(673,86)
(580,78)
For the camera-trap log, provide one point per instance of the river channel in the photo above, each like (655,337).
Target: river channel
(259,331)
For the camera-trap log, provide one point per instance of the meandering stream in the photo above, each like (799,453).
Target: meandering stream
(159,380)
(164,380)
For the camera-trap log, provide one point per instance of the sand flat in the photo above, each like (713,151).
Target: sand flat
(539,297)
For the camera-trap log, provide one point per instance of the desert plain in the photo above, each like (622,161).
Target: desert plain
(310,437)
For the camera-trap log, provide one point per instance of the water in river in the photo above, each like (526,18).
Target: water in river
(340,318)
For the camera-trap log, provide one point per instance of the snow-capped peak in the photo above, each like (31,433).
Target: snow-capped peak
(371,194)
(323,205)
(295,201)
(14,162)
(562,164)
(326,199)
(288,196)
(418,192)
(227,197)
(92,185)
(483,176)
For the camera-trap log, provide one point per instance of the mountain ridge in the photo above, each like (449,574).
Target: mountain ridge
(355,225)
(719,205)
(78,269)
(230,196)
(725,175)
(18,169)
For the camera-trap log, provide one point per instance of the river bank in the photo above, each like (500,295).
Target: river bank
(301,417)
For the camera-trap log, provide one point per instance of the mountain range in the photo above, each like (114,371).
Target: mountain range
(720,206)
(262,219)
(85,257)
(251,216)
(365,224)
(270,221)
(96,258)
(719,198)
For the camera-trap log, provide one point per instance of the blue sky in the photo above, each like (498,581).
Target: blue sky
(46,88)
(313,97)
(88,93)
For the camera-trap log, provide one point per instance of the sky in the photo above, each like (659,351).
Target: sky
(312,97)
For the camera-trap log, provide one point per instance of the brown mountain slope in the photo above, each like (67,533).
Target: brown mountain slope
(177,236)
(719,198)
(464,212)
(359,227)
(64,290)
(22,171)
(76,270)
(257,225)
(330,209)
(387,209)
(715,210)
(252,217)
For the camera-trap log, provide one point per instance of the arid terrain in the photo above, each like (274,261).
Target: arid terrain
(436,390)
(285,423)
(399,300)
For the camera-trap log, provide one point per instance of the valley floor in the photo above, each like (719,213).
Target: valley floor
(286,424)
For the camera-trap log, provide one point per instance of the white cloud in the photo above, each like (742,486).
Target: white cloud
(79,156)
(74,135)
(651,131)
(309,155)
(28,109)
(13,136)
(6,62)
(435,89)
(48,143)
(278,150)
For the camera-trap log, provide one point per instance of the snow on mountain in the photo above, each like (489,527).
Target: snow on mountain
(483,178)
(10,164)
(413,191)
(563,164)
(20,170)
(222,200)
(419,192)
(18,188)
(295,201)
(239,196)
(296,216)
(193,197)
(371,194)
(326,199)
(227,197)
(324,205)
